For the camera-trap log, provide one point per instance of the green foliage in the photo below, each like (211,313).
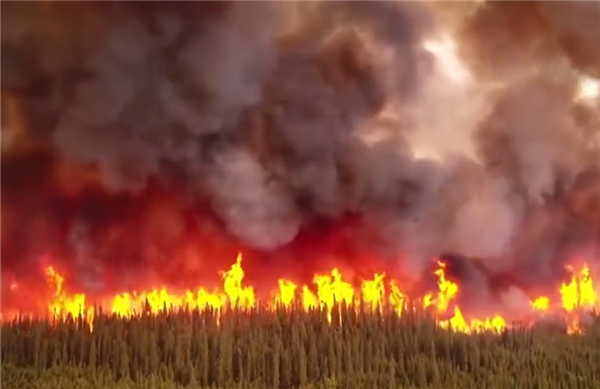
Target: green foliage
(265,349)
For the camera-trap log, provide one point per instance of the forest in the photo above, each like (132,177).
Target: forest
(291,348)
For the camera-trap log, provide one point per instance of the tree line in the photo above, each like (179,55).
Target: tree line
(288,349)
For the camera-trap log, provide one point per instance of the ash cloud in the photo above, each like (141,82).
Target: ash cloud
(172,133)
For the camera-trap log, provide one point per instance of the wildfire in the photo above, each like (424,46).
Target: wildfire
(579,294)
(328,292)
(541,303)
(63,304)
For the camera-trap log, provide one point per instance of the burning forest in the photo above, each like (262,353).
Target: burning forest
(381,154)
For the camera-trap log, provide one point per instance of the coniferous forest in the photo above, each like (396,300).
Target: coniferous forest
(291,349)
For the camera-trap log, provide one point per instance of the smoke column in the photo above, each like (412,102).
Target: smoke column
(152,141)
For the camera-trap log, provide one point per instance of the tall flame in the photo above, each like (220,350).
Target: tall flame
(327,292)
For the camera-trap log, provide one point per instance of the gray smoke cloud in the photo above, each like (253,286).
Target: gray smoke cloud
(279,113)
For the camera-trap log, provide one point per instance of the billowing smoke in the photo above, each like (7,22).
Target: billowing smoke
(155,140)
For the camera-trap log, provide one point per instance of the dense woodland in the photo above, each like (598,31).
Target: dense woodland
(291,349)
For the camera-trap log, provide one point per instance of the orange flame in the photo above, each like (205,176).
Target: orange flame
(330,291)
(541,303)
(579,294)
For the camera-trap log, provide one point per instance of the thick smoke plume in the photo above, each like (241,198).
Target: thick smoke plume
(155,140)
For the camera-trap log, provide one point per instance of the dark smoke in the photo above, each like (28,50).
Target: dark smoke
(146,140)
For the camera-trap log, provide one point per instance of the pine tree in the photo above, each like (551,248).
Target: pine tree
(92,354)
(286,369)
(123,369)
(302,369)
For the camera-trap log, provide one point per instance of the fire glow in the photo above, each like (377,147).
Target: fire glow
(328,292)
(348,156)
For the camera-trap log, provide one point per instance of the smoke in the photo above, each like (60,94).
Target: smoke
(164,137)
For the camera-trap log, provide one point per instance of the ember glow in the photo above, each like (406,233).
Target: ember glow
(328,292)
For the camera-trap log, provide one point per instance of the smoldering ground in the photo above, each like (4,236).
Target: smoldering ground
(155,140)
